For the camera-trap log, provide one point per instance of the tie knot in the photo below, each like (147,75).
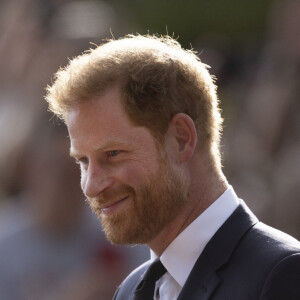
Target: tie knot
(155,271)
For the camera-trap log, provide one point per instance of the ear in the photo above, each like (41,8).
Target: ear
(183,136)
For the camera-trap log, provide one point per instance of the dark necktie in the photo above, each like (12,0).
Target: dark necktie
(145,289)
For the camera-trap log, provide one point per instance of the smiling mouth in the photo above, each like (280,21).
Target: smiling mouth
(106,210)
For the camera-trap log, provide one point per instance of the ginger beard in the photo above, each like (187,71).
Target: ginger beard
(152,206)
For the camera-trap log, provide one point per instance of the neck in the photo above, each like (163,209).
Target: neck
(204,190)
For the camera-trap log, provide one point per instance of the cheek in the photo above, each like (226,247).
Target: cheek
(135,174)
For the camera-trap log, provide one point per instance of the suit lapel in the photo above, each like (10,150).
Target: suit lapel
(202,290)
(203,279)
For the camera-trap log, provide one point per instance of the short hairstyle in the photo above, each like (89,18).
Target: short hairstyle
(157,79)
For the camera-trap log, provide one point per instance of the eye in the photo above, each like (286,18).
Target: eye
(113,153)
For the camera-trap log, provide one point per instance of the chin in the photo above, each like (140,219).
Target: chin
(122,235)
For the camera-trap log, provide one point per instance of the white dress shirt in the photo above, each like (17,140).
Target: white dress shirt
(181,255)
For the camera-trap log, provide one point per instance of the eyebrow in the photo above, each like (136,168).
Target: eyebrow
(108,145)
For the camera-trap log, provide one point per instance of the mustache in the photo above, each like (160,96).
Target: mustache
(111,195)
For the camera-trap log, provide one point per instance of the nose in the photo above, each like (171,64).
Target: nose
(94,181)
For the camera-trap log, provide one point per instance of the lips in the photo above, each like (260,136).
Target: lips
(111,207)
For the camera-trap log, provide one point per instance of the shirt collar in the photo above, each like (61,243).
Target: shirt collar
(181,255)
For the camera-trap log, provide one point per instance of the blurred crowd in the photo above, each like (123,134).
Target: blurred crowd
(51,245)
(262,141)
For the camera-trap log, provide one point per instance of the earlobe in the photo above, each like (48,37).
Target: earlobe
(185,135)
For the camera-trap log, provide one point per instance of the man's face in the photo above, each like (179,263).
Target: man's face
(125,175)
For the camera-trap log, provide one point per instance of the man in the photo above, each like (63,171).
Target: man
(144,126)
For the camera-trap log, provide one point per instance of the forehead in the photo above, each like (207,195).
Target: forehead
(102,121)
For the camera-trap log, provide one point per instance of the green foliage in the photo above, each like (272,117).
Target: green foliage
(188,19)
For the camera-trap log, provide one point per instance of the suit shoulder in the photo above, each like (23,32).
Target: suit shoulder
(280,255)
(130,283)
(269,238)
(283,280)
(262,247)
(261,257)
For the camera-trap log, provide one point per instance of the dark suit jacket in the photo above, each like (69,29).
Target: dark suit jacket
(245,260)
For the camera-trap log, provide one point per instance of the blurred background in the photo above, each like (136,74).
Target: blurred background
(51,245)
